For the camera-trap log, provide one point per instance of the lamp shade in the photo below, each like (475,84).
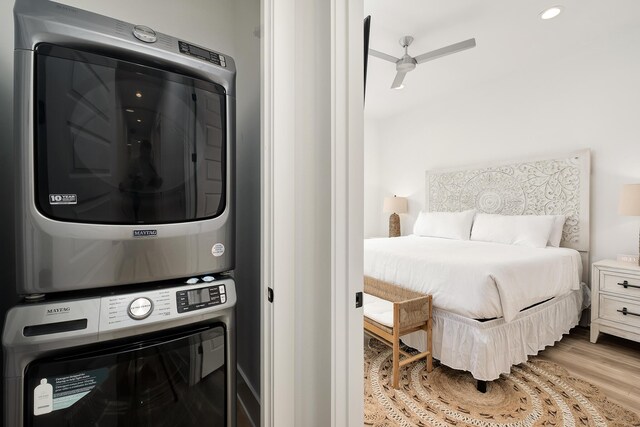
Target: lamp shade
(395,204)
(630,200)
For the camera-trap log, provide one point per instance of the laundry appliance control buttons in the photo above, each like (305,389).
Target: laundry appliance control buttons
(140,308)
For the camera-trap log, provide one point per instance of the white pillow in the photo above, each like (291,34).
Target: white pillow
(556,230)
(523,230)
(450,225)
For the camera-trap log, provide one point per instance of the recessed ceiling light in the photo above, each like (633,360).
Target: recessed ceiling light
(551,12)
(139,120)
(399,87)
(129,110)
(138,94)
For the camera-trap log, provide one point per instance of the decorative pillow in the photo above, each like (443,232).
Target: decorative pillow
(449,225)
(556,230)
(523,230)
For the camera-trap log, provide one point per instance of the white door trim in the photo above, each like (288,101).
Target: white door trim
(347,87)
(278,142)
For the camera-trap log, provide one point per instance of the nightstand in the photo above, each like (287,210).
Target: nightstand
(615,300)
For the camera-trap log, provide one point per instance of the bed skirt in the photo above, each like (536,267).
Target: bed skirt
(488,349)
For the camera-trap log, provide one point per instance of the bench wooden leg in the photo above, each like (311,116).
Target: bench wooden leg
(396,345)
(396,363)
(429,330)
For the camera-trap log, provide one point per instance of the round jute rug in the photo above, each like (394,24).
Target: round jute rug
(536,393)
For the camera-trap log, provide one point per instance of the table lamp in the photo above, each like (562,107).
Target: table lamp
(630,203)
(395,205)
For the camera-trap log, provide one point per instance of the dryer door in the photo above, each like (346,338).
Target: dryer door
(177,381)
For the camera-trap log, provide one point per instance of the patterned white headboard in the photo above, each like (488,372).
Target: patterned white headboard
(558,185)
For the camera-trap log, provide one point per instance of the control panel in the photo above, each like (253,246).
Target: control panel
(159,305)
(118,315)
(198,52)
(195,299)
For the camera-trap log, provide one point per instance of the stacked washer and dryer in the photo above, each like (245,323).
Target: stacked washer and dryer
(124,146)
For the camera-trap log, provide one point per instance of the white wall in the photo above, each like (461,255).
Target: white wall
(590,99)
(313,354)
(372,192)
(224,25)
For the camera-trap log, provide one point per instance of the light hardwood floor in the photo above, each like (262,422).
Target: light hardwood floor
(613,364)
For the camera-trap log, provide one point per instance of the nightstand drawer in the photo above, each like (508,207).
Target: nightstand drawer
(613,308)
(615,283)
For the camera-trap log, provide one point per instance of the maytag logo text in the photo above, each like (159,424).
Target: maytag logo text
(58,310)
(144,233)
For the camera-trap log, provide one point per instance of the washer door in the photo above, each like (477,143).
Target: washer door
(176,381)
(122,143)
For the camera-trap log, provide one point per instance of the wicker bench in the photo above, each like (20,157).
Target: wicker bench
(390,312)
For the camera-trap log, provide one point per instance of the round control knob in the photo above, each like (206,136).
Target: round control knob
(140,308)
(145,34)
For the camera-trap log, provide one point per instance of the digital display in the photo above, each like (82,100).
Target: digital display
(195,299)
(198,296)
(201,53)
(197,51)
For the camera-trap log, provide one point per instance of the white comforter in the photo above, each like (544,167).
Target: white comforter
(478,280)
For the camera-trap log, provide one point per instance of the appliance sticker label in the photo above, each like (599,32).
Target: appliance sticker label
(217,249)
(63,199)
(43,398)
(53,394)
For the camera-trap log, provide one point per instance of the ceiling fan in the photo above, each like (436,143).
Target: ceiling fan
(408,63)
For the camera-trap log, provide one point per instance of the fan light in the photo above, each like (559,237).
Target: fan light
(551,12)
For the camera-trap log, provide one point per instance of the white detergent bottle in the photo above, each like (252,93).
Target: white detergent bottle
(43,398)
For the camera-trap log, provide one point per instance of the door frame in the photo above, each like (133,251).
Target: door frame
(279,245)
(347,113)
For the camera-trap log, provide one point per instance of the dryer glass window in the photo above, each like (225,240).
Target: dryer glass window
(122,143)
(178,382)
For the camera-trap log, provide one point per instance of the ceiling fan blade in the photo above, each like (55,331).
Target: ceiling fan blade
(383,55)
(444,51)
(397,82)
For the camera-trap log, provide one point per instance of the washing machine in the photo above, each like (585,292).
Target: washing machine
(157,356)
(124,153)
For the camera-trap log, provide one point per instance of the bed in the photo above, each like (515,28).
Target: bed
(496,304)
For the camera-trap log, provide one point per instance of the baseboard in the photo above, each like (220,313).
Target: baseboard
(248,399)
